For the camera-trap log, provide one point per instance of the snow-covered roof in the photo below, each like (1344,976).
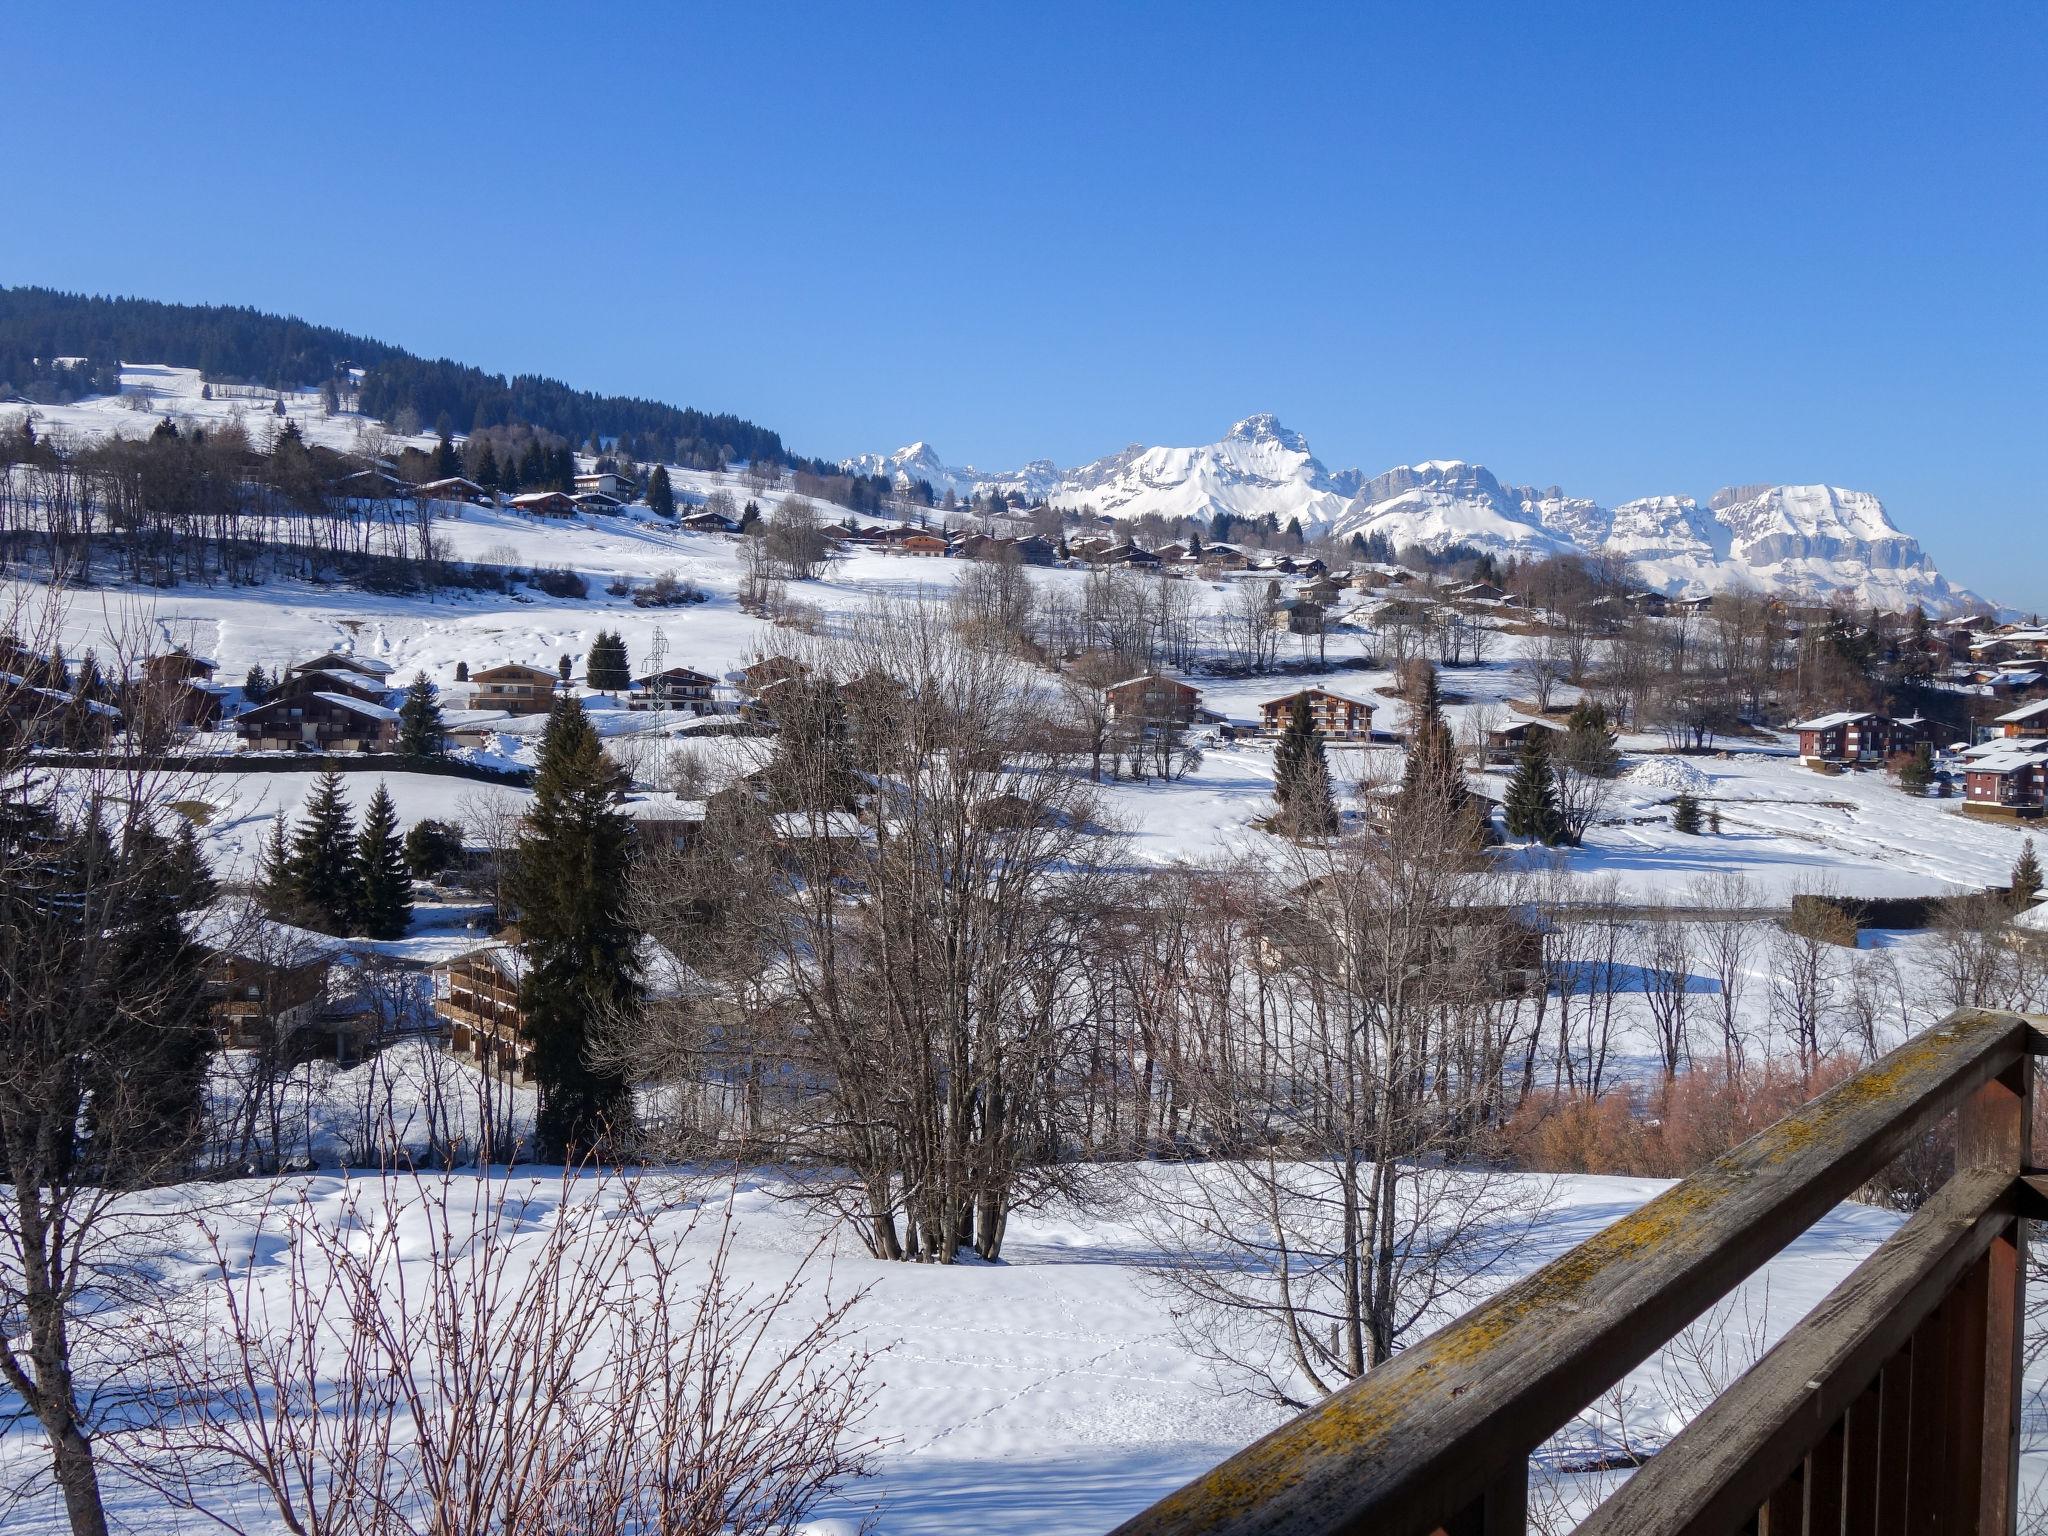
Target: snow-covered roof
(659,805)
(2026,711)
(2015,756)
(237,927)
(1829,722)
(358,707)
(1330,692)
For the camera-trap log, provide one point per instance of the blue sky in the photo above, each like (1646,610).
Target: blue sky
(1626,249)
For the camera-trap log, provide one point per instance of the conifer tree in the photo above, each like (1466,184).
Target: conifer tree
(2026,878)
(1301,775)
(661,496)
(569,885)
(1685,813)
(462,671)
(275,888)
(382,882)
(1432,783)
(1531,806)
(608,669)
(1589,744)
(419,719)
(487,469)
(447,461)
(323,871)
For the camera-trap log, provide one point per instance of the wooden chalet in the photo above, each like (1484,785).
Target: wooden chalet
(916,541)
(1845,738)
(544,504)
(597,503)
(758,675)
(320,721)
(177,688)
(1505,744)
(710,522)
(40,716)
(682,689)
(1336,716)
(1152,700)
(514,688)
(609,483)
(2027,723)
(476,995)
(1224,557)
(2007,781)
(451,488)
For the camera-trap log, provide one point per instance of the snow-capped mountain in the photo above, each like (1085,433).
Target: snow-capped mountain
(1806,539)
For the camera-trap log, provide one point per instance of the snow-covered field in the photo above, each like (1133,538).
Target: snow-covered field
(1049,1393)
(1783,825)
(1046,1394)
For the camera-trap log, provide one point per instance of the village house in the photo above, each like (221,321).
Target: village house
(2028,722)
(476,998)
(40,716)
(1844,738)
(1477,592)
(271,986)
(177,688)
(1152,699)
(514,688)
(1223,557)
(1505,744)
(1335,716)
(544,504)
(597,503)
(710,522)
(2008,780)
(321,721)
(476,995)
(608,483)
(758,675)
(663,822)
(451,488)
(677,688)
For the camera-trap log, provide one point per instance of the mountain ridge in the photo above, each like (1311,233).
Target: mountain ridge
(1808,540)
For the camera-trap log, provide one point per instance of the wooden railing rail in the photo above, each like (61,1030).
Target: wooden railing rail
(1892,1407)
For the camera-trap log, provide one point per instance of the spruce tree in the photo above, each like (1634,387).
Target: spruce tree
(487,469)
(1589,744)
(256,686)
(608,669)
(2026,878)
(323,871)
(661,496)
(430,847)
(1531,806)
(1916,774)
(569,885)
(1685,813)
(1301,776)
(419,719)
(1432,783)
(383,884)
(274,887)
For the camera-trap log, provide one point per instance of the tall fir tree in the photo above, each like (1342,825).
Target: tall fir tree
(1685,813)
(1433,781)
(1531,805)
(1301,775)
(569,885)
(275,888)
(608,669)
(382,881)
(2026,878)
(323,870)
(419,718)
(256,686)
(661,495)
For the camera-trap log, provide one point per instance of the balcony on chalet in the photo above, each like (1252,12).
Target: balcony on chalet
(1893,1406)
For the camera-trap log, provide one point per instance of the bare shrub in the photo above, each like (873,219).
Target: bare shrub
(418,1362)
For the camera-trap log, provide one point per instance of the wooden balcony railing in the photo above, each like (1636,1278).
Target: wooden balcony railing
(1892,1407)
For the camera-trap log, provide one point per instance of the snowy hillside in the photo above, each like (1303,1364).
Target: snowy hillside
(1809,540)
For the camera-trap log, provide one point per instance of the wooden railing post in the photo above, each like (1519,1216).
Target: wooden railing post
(1994,1130)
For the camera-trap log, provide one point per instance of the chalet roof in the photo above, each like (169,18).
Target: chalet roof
(801,826)
(1328,692)
(358,707)
(514,669)
(659,805)
(1523,722)
(1829,722)
(673,674)
(346,663)
(449,485)
(1155,677)
(2011,760)
(2026,711)
(236,927)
